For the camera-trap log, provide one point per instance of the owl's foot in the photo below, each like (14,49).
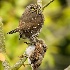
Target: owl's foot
(32,43)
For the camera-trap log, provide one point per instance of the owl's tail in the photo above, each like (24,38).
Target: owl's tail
(13,31)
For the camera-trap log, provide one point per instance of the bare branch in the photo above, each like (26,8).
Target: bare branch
(47,4)
(19,63)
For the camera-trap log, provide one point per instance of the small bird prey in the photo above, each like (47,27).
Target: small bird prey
(36,53)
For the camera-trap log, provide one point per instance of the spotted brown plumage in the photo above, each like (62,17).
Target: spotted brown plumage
(30,22)
(36,53)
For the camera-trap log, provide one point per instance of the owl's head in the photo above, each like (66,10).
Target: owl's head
(33,8)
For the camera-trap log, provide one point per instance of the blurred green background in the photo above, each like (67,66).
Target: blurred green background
(55,32)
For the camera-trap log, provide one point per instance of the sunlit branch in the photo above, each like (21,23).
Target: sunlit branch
(47,4)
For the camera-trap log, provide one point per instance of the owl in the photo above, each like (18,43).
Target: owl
(30,22)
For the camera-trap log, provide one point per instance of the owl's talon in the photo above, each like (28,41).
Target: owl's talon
(32,43)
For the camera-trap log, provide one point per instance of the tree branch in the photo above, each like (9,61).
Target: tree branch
(39,2)
(19,63)
(47,4)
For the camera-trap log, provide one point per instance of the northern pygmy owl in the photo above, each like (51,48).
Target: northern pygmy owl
(30,22)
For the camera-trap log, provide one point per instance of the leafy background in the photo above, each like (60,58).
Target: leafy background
(55,32)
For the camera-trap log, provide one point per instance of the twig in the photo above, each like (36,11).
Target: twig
(47,4)
(16,66)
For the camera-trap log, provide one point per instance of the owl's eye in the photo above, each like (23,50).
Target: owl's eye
(32,8)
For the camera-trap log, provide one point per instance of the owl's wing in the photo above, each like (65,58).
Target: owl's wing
(27,25)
